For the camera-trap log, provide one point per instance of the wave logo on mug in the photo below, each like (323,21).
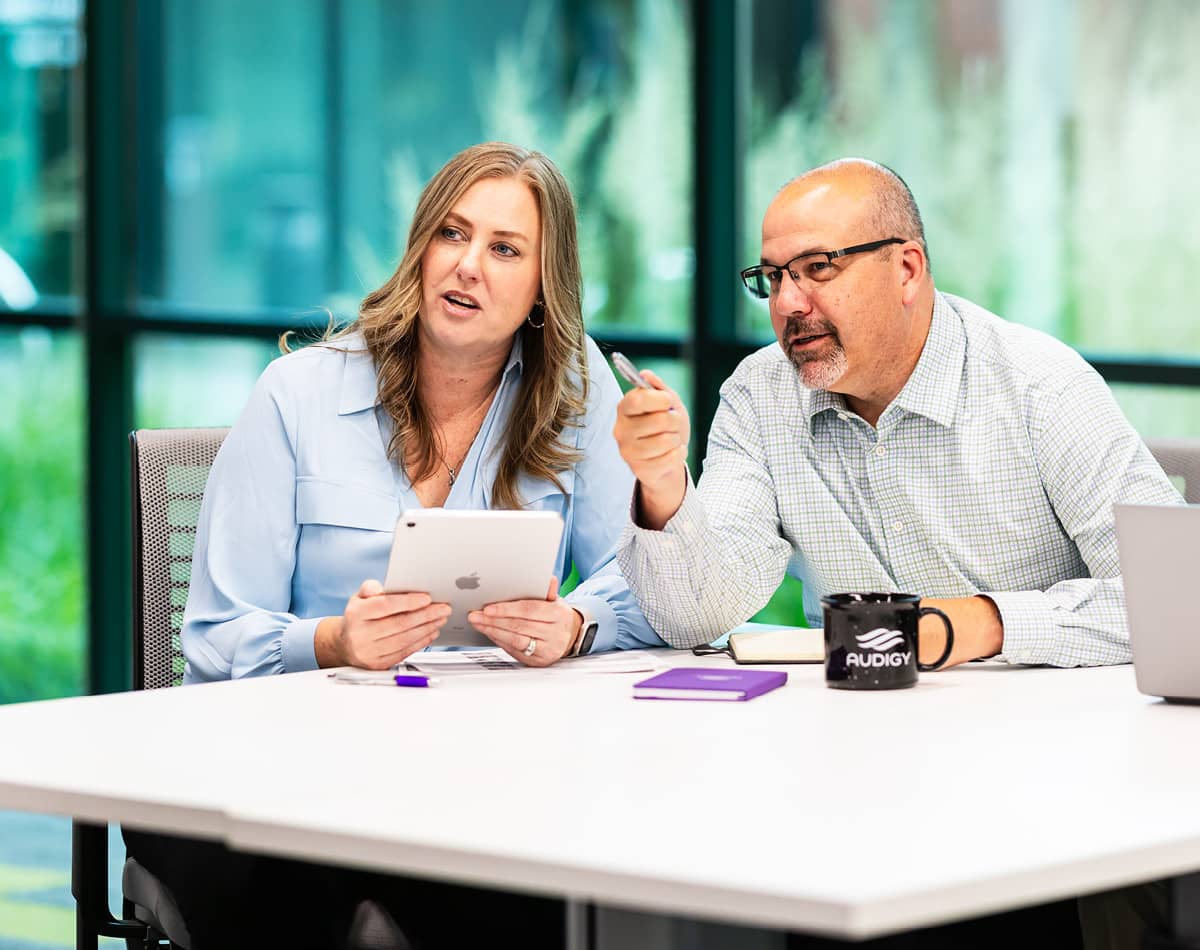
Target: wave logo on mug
(871,640)
(881,640)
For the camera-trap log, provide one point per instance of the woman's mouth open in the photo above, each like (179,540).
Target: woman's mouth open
(460,304)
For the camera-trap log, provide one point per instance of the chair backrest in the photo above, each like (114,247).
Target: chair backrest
(170,468)
(1180,459)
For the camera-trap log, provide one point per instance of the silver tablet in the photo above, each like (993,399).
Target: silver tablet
(471,558)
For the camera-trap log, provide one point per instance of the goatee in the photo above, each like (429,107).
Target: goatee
(818,370)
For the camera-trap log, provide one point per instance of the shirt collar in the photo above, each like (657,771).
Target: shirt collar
(359,390)
(934,389)
(821,401)
(516,355)
(360,385)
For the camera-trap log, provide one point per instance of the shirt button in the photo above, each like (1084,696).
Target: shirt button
(897,525)
(880,450)
(842,416)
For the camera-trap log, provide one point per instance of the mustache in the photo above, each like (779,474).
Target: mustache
(796,327)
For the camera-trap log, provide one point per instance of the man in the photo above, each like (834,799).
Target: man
(896,439)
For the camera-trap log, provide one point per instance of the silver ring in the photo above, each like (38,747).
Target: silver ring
(532,648)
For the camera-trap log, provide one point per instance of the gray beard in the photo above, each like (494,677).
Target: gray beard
(816,372)
(823,372)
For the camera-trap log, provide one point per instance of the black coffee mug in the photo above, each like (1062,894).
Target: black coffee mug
(871,640)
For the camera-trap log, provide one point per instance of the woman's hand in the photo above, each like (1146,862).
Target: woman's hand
(534,632)
(379,630)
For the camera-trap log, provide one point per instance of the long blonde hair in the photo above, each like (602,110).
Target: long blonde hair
(554,380)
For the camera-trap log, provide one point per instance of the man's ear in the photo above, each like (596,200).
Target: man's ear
(913,267)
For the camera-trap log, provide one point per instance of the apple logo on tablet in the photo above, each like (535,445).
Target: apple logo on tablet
(470,582)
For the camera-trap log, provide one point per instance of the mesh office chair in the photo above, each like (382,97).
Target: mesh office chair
(169,469)
(1180,459)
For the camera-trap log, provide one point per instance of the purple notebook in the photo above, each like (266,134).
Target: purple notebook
(710,683)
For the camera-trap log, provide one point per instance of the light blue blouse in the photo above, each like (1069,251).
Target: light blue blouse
(302,501)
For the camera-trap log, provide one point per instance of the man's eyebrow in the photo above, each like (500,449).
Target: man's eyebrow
(457,218)
(805,253)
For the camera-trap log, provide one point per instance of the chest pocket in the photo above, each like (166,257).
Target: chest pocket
(344,504)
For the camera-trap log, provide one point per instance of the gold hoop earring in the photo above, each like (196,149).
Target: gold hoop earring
(540,305)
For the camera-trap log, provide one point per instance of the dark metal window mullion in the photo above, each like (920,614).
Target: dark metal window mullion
(720,67)
(106,76)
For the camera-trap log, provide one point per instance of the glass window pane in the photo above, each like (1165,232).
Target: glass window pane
(39,153)
(288,181)
(1160,412)
(35,861)
(189,381)
(239,172)
(1053,156)
(41,495)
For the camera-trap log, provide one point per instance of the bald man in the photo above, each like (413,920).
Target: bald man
(895,439)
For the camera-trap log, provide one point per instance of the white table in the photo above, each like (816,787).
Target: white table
(843,813)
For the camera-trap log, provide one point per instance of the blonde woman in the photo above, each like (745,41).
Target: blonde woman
(467,381)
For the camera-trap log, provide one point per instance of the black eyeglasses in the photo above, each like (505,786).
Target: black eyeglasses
(815,267)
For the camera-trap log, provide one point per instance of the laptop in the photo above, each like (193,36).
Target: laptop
(1159,548)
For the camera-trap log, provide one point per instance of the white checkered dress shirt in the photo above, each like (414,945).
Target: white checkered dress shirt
(993,471)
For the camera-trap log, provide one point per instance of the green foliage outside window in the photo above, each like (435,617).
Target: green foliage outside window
(1054,167)
(624,146)
(42,594)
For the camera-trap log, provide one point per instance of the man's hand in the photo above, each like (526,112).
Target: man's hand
(652,432)
(379,630)
(978,630)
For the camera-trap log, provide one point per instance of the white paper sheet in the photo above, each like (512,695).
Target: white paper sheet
(492,659)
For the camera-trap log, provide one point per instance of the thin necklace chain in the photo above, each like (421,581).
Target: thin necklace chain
(455,471)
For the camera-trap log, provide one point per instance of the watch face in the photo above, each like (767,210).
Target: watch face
(589,636)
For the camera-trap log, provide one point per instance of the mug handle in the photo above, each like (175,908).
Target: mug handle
(927,667)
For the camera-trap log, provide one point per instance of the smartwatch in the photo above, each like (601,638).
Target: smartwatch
(587,633)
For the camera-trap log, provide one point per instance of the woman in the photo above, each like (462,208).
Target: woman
(467,382)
